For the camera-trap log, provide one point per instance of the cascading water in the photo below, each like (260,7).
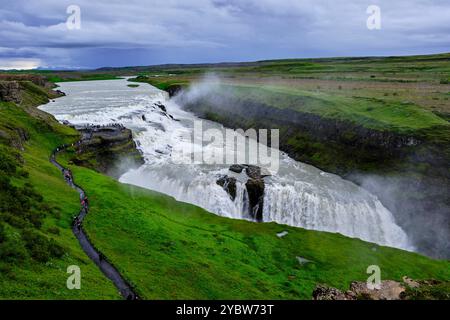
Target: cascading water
(297,195)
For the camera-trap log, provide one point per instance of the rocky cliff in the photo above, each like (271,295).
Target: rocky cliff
(254,186)
(10,91)
(408,289)
(36,79)
(30,90)
(27,91)
(107,149)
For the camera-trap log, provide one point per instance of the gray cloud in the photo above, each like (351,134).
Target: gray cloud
(137,32)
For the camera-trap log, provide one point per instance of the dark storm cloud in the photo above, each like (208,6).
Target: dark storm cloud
(137,32)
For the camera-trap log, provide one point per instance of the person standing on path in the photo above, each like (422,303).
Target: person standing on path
(125,289)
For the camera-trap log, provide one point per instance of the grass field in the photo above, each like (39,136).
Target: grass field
(173,250)
(370,112)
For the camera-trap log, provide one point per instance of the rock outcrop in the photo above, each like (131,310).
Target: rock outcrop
(10,91)
(255,191)
(229,185)
(34,78)
(388,290)
(16,88)
(107,149)
(322,292)
(254,186)
(252,171)
(163,110)
(174,89)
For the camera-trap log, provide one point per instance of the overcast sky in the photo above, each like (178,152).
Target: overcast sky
(145,32)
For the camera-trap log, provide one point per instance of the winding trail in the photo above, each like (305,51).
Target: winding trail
(94,254)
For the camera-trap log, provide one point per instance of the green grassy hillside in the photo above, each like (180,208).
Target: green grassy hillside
(372,113)
(36,209)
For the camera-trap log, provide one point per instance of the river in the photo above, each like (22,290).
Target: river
(298,194)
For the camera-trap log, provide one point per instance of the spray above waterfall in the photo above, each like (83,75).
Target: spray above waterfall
(223,146)
(296,194)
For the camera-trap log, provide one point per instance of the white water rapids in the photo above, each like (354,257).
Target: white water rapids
(298,195)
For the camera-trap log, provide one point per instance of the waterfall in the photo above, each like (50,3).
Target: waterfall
(297,195)
(364,218)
